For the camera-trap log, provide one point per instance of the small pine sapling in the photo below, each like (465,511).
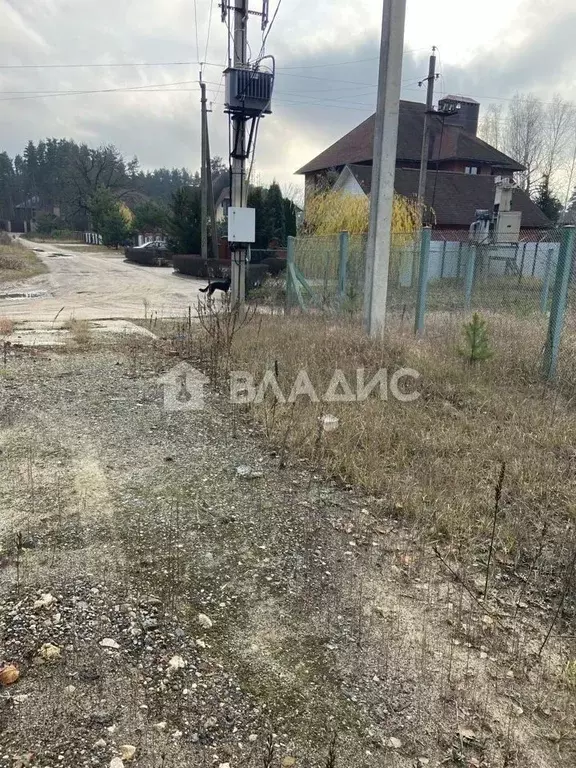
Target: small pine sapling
(477,339)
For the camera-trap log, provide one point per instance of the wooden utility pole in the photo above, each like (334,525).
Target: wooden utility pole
(384,165)
(239,191)
(424,157)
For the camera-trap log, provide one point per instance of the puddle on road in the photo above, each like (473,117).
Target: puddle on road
(23,295)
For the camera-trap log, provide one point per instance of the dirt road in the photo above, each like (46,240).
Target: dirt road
(157,593)
(95,285)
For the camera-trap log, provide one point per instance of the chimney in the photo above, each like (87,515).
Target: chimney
(468,112)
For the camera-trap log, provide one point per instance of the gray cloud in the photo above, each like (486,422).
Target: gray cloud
(317,99)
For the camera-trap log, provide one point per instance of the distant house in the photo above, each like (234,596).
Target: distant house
(221,190)
(461,168)
(26,214)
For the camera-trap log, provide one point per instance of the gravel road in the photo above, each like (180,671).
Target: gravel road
(95,285)
(166,587)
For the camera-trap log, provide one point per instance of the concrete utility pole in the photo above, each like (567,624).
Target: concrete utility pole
(211,206)
(426,135)
(207,191)
(384,165)
(204,178)
(239,191)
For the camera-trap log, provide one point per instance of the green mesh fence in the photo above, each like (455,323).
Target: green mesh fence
(333,269)
(463,276)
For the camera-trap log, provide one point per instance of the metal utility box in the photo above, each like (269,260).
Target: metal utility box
(507,229)
(249,91)
(241,225)
(479,231)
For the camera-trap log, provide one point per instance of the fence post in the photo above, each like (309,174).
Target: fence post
(546,282)
(290,261)
(343,265)
(559,297)
(469,276)
(425,238)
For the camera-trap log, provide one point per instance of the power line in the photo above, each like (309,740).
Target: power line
(152,88)
(196,30)
(96,65)
(265,35)
(342,63)
(209,28)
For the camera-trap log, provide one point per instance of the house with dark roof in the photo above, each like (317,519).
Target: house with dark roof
(461,167)
(221,192)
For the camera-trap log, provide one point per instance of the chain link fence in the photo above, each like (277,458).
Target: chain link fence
(328,271)
(462,275)
(439,278)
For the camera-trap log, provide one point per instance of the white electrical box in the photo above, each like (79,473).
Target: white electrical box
(507,228)
(241,225)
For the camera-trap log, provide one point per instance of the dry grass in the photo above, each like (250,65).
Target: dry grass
(18,263)
(6,326)
(80,332)
(433,461)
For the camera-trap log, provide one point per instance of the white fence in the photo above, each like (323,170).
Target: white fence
(526,259)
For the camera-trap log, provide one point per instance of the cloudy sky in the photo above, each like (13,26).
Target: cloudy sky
(326,56)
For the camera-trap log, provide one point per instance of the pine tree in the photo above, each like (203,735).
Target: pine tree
(184,225)
(547,202)
(108,219)
(256,200)
(477,339)
(114,228)
(275,221)
(150,217)
(290,217)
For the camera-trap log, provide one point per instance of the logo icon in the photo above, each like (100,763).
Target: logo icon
(184,388)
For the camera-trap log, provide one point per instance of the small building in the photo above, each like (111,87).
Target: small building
(26,214)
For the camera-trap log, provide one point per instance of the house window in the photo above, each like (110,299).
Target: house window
(471,170)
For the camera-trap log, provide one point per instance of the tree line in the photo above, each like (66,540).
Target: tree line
(542,137)
(275,218)
(77,187)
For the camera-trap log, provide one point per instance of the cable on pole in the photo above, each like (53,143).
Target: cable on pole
(209,30)
(196,31)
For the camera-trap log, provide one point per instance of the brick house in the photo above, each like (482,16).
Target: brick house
(461,168)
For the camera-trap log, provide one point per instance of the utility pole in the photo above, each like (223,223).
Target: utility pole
(204,176)
(384,165)
(207,191)
(426,135)
(239,192)
(211,206)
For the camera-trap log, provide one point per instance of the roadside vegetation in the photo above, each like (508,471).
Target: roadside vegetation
(431,462)
(17,262)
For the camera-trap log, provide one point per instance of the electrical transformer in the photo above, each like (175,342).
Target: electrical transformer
(249,91)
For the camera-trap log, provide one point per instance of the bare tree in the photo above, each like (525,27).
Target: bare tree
(94,169)
(491,125)
(559,120)
(524,137)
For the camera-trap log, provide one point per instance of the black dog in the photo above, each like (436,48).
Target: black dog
(217,285)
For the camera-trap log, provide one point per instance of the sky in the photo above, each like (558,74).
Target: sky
(326,55)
